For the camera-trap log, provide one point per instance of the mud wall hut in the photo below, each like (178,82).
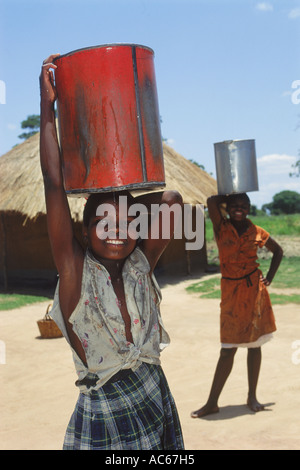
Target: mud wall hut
(25,252)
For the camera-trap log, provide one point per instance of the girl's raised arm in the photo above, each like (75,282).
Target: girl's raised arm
(162,223)
(215,214)
(65,248)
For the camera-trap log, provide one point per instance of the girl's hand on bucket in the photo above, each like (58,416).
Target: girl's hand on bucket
(48,90)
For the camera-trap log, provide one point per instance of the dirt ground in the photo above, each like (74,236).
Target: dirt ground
(38,394)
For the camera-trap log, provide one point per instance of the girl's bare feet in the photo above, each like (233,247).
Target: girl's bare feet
(254,405)
(204,411)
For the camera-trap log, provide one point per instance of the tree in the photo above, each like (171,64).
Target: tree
(197,164)
(33,123)
(296,169)
(285,202)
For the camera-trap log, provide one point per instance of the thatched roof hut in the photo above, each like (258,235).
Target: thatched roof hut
(23,234)
(21,182)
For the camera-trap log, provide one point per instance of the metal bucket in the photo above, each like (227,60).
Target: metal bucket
(108,119)
(236,166)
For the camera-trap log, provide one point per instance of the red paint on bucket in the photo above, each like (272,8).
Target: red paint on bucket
(109,123)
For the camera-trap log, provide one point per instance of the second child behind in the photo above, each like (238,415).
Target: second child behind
(247,318)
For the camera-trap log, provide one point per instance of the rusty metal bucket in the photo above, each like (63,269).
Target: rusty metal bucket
(236,166)
(108,119)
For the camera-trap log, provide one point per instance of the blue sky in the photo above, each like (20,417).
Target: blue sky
(224,70)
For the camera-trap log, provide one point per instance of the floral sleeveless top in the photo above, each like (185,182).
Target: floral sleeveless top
(98,322)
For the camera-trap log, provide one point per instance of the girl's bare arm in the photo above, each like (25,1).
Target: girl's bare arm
(67,253)
(215,214)
(277,251)
(162,222)
(63,243)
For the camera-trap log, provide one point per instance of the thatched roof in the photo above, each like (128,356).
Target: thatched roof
(193,183)
(22,190)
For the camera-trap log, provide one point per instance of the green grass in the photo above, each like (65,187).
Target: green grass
(285,225)
(287,277)
(11,301)
(208,289)
(281,299)
(288,225)
(288,274)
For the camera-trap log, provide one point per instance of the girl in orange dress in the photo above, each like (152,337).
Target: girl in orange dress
(247,318)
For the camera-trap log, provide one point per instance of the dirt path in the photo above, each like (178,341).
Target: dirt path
(37,394)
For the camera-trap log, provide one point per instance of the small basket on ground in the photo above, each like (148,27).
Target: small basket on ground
(47,326)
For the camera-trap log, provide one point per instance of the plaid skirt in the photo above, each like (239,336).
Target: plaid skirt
(135,413)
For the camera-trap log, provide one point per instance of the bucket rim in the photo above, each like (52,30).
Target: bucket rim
(230,141)
(100,46)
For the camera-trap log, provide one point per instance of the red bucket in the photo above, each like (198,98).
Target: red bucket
(108,119)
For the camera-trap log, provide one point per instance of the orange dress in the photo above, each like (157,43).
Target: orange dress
(246,310)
